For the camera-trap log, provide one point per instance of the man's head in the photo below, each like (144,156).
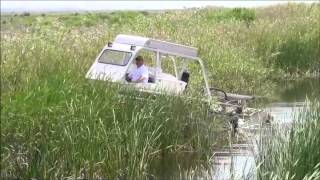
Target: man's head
(139,61)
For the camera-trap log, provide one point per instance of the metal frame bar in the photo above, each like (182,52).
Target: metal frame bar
(197,59)
(175,66)
(188,58)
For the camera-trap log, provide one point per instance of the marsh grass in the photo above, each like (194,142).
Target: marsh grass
(244,49)
(293,152)
(55,124)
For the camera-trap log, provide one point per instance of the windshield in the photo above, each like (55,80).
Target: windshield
(114,57)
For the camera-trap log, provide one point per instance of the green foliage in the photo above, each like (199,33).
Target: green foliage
(237,14)
(55,124)
(300,52)
(282,41)
(243,14)
(295,48)
(103,16)
(87,19)
(293,154)
(125,17)
(145,13)
(25,14)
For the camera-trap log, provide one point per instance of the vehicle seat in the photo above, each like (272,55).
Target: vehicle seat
(185,77)
(151,80)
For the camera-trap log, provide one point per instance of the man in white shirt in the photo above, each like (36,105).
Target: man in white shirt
(141,74)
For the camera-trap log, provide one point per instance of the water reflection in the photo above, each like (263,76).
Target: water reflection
(284,113)
(297,90)
(234,166)
(237,161)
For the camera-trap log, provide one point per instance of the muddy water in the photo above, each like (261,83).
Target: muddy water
(236,161)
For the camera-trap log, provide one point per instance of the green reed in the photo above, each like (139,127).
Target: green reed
(55,124)
(293,152)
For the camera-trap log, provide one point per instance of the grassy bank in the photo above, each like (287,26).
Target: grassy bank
(55,124)
(244,49)
(89,132)
(293,153)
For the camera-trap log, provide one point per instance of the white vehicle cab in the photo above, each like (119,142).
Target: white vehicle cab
(117,59)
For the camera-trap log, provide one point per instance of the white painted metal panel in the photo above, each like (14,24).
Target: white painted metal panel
(172,47)
(132,40)
(157,44)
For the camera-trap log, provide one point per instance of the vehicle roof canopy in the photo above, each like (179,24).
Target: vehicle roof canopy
(167,47)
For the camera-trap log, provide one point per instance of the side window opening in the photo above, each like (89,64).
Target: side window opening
(149,59)
(167,63)
(174,65)
(196,83)
(186,70)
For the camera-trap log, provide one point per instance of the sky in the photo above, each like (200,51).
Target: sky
(30,6)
